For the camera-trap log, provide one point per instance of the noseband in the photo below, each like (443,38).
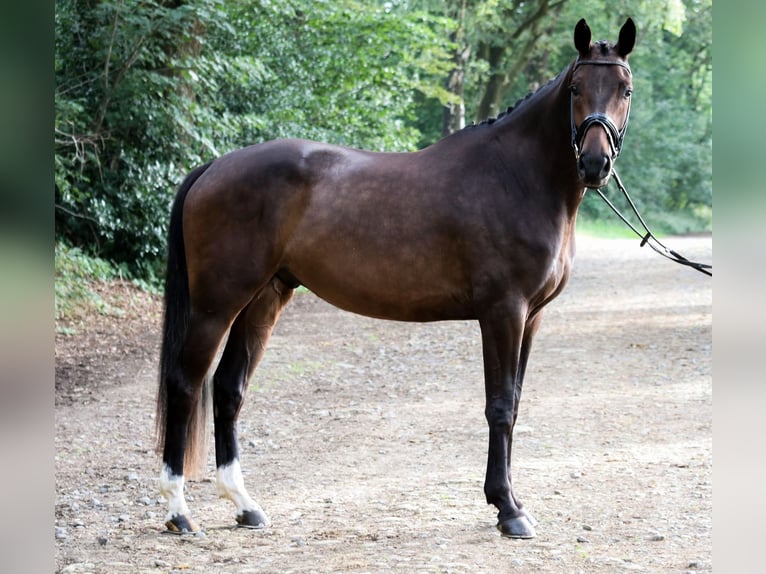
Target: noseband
(578,133)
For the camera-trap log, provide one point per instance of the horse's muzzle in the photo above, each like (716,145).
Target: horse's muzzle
(594,169)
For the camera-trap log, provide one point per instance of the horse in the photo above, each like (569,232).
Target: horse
(478,226)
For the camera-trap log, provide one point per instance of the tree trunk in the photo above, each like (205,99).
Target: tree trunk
(509,53)
(495,88)
(453,114)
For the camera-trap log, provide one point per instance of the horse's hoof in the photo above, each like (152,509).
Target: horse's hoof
(532,519)
(254,519)
(181,524)
(519,527)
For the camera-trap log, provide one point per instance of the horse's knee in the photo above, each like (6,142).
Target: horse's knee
(499,413)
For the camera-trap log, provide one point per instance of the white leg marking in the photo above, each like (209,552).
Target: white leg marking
(231,485)
(172,488)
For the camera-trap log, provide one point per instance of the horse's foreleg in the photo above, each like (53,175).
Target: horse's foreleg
(184,392)
(502,336)
(530,329)
(247,342)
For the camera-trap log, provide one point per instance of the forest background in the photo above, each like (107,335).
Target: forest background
(147,90)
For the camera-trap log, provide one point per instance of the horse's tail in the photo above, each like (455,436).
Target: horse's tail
(176,320)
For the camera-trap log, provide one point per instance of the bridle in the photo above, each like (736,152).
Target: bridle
(615,140)
(578,133)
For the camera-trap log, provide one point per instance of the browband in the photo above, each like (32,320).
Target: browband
(625,65)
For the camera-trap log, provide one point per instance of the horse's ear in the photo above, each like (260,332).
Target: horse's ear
(627,38)
(582,37)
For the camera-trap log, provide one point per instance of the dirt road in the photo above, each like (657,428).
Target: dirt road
(365,441)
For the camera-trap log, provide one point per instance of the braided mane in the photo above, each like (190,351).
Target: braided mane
(510,109)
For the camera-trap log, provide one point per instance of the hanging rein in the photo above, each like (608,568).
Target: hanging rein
(616,137)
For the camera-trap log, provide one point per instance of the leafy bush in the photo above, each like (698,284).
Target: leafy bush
(74,272)
(147,90)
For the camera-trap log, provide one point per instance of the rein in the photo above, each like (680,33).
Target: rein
(648,238)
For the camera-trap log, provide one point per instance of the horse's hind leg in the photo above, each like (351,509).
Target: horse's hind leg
(245,347)
(183,428)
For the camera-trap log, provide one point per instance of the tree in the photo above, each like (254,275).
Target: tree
(514,47)
(495,41)
(148,89)
(511,43)
(667,163)
(120,118)
(453,113)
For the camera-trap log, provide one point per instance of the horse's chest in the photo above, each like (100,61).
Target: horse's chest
(555,278)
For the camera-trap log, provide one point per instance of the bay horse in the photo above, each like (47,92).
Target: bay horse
(478,226)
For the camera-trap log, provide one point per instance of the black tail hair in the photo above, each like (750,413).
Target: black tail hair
(176,320)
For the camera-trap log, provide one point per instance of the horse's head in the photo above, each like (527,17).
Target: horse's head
(600,93)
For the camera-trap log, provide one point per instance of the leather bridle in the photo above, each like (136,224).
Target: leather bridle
(578,132)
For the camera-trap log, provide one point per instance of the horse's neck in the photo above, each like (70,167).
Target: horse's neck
(536,139)
(543,117)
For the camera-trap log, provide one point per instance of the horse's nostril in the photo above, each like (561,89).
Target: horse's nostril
(594,166)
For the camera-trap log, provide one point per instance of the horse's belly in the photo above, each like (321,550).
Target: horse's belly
(389,286)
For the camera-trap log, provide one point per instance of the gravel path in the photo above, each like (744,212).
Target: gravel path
(365,440)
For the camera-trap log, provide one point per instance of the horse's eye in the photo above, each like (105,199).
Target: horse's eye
(628,92)
(575,90)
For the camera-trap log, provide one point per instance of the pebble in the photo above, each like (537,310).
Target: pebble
(77,523)
(102,540)
(587,527)
(61,532)
(123,518)
(657,537)
(146,501)
(583,540)
(161,564)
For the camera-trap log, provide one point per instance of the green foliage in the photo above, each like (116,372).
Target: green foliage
(74,272)
(119,121)
(147,89)
(343,72)
(666,163)
(610,229)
